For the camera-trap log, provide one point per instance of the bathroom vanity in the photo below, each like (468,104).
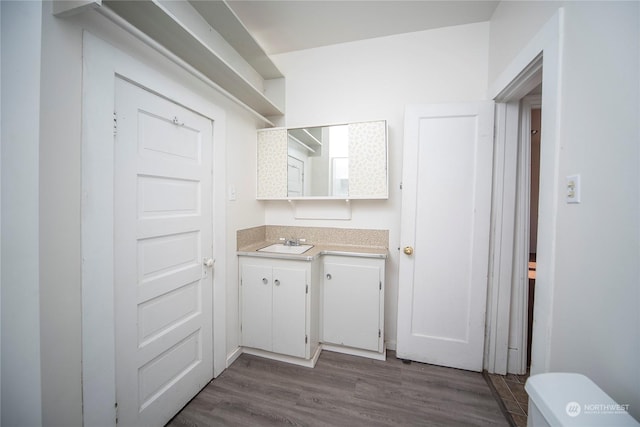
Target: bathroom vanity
(329,297)
(279,307)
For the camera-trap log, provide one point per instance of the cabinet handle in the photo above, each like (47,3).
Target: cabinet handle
(264,280)
(328,276)
(277,282)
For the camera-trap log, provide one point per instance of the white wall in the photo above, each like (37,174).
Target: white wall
(376,79)
(245,212)
(56,347)
(20,370)
(595,325)
(513,24)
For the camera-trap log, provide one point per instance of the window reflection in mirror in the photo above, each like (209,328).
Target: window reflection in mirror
(318,161)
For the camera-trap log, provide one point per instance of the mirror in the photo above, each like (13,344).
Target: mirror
(341,161)
(318,161)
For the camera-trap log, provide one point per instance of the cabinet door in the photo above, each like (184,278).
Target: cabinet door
(351,305)
(289,311)
(256,306)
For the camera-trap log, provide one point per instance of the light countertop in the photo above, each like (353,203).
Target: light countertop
(316,251)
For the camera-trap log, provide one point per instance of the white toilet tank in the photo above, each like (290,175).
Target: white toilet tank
(566,399)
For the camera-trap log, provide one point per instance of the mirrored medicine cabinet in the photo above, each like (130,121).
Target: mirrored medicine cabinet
(342,161)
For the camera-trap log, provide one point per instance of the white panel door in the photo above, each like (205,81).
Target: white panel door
(163,240)
(289,311)
(351,305)
(447,174)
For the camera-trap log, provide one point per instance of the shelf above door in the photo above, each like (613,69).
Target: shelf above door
(184,29)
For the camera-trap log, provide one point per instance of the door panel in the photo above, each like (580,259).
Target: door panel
(164,312)
(161,138)
(168,368)
(163,231)
(445,219)
(295,177)
(289,311)
(162,196)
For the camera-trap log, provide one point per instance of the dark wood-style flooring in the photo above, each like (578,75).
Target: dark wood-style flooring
(342,390)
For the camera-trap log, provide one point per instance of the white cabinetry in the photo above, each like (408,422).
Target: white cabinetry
(353,305)
(278,312)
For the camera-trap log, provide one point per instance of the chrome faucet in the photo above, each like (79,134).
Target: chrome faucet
(292,241)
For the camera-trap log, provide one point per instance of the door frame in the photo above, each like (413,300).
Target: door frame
(102,62)
(523,74)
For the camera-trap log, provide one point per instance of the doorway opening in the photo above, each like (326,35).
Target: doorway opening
(534,195)
(522,293)
(524,74)
(520,209)
(524,260)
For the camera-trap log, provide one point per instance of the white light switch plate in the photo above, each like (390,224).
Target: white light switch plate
(572,189)
(232,193)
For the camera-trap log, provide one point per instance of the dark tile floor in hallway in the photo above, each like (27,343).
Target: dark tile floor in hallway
(511,391)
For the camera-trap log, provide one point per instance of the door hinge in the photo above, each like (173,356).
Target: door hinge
(401,185)
(381,285)
(306,339)
(117,412)
(306,289)
(379,333)
(115,123)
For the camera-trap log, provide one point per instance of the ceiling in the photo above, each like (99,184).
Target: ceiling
(284,26)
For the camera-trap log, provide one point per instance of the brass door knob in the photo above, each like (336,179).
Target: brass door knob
(408,250)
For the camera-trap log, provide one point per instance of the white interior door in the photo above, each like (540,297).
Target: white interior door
(295,177)
(163,250)
(446,206)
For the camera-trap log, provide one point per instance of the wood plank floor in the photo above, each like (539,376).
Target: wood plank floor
(342,390)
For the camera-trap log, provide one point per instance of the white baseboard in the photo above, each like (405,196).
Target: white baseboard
(308,363)
(356,351)
(233,356)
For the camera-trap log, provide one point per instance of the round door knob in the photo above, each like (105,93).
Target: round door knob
(408,250)
(264,280)
(208,262)
(328,277)
(277,282)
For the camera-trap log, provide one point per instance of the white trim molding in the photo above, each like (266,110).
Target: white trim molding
(513,84)
(101,64)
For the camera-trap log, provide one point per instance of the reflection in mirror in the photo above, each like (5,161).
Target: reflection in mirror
(346,161)
(318,161)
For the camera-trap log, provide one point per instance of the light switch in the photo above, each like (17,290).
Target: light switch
(572,189)
(232,193)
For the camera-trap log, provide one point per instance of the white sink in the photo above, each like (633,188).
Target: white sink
(280,248)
